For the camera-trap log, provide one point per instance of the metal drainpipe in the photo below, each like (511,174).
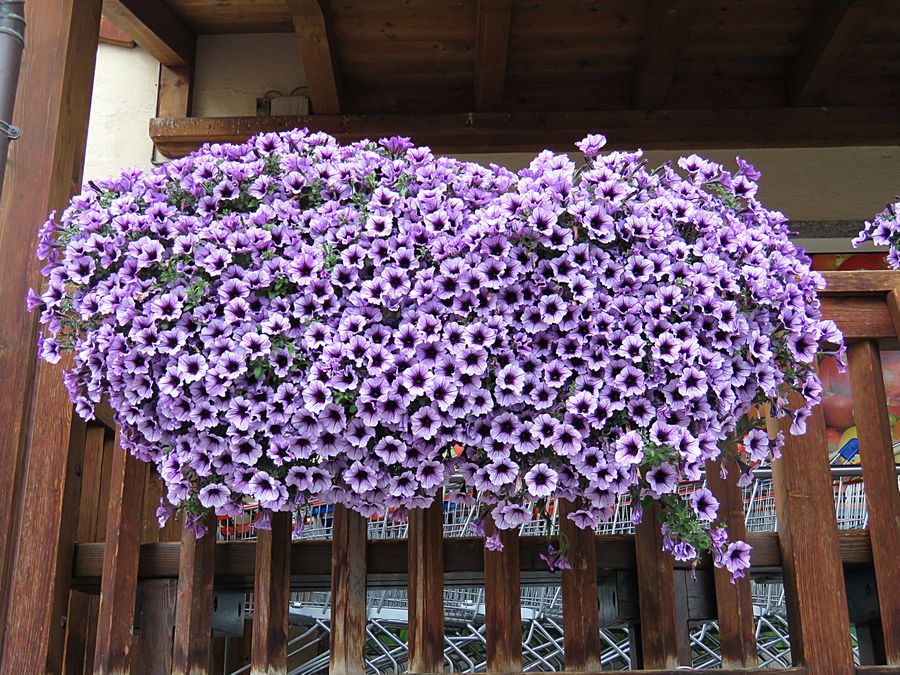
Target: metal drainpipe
(12,42)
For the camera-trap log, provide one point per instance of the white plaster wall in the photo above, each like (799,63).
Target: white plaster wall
(232,71)
(122,103)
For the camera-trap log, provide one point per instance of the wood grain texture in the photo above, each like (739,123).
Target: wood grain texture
(734,602)
(43,169)
(156,28)
(193,612)
(348,592)
(502,599)
(581,616)
(271,597)
(656,595)
(835,32)
(860,282)
(175,92)
(491,49)
(810,552)
(118,591)
(860,317)
(882,497)
(670,24)
(311,26)
(426,588)
(156,623)
(527,131)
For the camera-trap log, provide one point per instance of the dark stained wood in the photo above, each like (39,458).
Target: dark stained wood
(838,27)
(656,595)
(322,78)
(43,169)
(426,588)
(734,603)
(156,28)
(111,34)
(103,413)
(193,612)
(348,592)
(893,303)
(860,282)
(581,616)
(810,552)
(487,132)
(118,592)
(153,639)
(670,26)
(860,317)
(388,560)
(491,48)
(502,599)
(882,497)
(271,597)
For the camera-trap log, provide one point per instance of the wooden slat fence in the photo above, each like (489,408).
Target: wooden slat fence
(808,550)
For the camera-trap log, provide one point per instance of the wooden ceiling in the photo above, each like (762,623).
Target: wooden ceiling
(405,60)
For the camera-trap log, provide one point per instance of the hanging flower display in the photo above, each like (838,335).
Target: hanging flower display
(291,319)
(884,230)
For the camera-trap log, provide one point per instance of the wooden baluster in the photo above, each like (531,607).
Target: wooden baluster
(810,556)
(193,610)
(271,597)
(348,592)
(581,613)
(502,599)
(426,588)
(734,603)
(656,595)
(882,497)
(118,590)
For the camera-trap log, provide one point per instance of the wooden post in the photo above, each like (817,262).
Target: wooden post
(656,595)
(581,612)
(502,599)
(193,610)
(426,588)
(118,589)
(810,556)
(44,168)
(348,592)
(882,497)
(734,603)
(271,597)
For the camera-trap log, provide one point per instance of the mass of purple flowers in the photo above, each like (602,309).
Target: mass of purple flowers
(884,230)
(290,319)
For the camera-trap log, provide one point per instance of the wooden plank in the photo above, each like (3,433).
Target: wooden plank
(118,592)
(893,303)
(426,588)
(860,282)
(734,602)
(311,26)
(271,597)
(502,599)
(156,28)
(656,594)
(836,30)
(882,497)
(529,131)
(860,317)
(193,613)
(670,25)
(810,553)
(43,169)
(463,560)
(348,592)
(111,34)
(491,49)
(174,93)
(153,638)
(581,616)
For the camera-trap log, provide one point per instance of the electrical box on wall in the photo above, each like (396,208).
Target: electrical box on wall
(273,106)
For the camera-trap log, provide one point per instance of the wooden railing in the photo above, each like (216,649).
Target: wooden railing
(119,497)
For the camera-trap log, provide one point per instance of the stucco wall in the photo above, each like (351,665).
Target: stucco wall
(232,71)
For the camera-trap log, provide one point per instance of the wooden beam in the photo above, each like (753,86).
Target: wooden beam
(426,588)
(44,169)
(835,32)
(156,28)
(111,34)
(348,593)
(491,49)
(193,606)
(311,27)
(271,597)
(625,129)
(810,553)
(860,283)
(581,617)
(502,601)
(670,24)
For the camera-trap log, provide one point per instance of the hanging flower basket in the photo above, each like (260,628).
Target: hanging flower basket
(291,319)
